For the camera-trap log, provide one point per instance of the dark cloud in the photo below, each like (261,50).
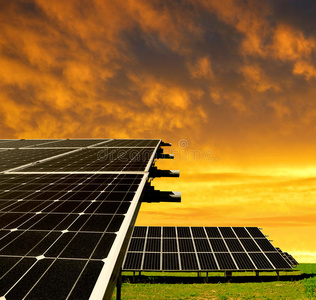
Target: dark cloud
(236,78)
(297,13)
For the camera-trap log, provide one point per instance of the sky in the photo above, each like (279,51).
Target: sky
(231,84)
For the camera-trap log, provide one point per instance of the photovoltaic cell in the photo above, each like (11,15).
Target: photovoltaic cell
(137,245)
(133,261)
(223,248)
(183,232)
(170,261)
(243,261)
(198,232)
(275,259)
(139,231)
(169,232)
(186,245)
(202,245)
(152,261)
(241,232)
(265,245)
(213,232)
(169,245)
(225,261)
(234,245)
(189,261)
(255,232)
(207,261)
(218,245)
(153,245)
(250,245)
(227,232)
(154,232)
(260,261)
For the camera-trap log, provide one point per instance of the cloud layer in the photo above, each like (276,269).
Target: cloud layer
(234,78)
(98,68)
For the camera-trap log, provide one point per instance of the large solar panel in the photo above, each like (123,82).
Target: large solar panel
(63,235)
(202,249)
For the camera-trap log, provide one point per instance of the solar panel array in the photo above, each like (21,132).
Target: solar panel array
(201,249)
(66,211)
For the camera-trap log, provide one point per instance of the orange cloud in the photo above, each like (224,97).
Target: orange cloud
(257,79)
(234,79)
(248,19)
(202,69)
(290,43)
(304,68)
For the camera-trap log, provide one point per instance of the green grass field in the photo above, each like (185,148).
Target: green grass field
(303,286)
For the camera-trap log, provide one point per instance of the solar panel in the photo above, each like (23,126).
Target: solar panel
(65,221)
(202,249)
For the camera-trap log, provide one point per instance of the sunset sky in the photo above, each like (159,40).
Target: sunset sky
(231,84)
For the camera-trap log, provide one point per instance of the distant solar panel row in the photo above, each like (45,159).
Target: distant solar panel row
(63,236)
(201,248)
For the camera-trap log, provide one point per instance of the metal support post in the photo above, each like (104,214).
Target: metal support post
(119,286)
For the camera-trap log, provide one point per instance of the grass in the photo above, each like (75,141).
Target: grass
(310,287)
(299,289)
